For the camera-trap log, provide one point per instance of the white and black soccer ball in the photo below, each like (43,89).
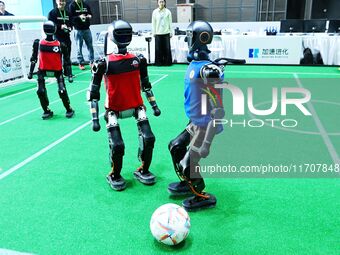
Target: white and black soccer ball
(170,224)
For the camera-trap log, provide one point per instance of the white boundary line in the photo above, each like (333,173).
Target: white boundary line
(22,92)
(58,100)
(39,108)
(12,252)
(163,77)
(323,132)
(292,130)
(261,72)
(42,151)
(50,146)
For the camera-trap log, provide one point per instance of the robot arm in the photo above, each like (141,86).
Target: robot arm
(93,94)
(212,74)
(34,58)
(212,128)
(146,85)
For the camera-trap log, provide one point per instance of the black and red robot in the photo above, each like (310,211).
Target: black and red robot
(50,64)
(125,75)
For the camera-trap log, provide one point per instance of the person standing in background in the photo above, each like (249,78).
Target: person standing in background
(3,12)
(80,15)
(162,31)
(61,19)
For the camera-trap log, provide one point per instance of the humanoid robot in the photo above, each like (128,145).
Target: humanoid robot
(194,142)
(49,52)
(125,76)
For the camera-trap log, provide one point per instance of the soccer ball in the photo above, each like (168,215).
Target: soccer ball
(170,224)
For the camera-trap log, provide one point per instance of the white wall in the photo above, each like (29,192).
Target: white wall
(24,7)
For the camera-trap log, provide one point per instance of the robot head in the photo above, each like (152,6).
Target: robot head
(49,28)
(120,32)
(199,34)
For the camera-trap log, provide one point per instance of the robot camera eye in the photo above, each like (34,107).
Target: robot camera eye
(205,37)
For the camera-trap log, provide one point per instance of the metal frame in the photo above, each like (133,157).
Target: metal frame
(109,14)
(270,14)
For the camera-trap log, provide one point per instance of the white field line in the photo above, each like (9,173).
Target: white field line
(260,72)
(39,108)
(321,128)
(25,91)
(50,146)
(57,100)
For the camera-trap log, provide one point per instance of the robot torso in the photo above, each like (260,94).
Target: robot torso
(122,82)
(50,56)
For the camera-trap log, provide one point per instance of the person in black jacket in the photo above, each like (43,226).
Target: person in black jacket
(61,19)
(81,15)
(3,12)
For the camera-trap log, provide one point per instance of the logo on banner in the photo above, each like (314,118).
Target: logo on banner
(16,63)
(254,53)
(6,66)
(268,53)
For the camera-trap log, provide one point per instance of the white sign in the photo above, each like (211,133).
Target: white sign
(269,49)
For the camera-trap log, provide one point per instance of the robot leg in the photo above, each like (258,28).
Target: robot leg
(117,148)
(42,95)
(190,167)
(178,149)
(146,144)
(68,73)
(63,95)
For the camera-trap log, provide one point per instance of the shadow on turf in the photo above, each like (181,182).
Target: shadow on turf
(185,245)
(179,197)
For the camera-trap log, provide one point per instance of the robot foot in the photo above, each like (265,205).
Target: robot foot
(118,184)
(146,178)
(47,115)
(179,188)
(196,203)
(70,79)
(69,114)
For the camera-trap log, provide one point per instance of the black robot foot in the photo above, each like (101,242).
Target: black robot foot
(179,188)
(47,115)
(69,114)
(146,178)
(197,202)
(117,184)
(70,79)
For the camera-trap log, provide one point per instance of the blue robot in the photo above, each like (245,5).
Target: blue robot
(194,142)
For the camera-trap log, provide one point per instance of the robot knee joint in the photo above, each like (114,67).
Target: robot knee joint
(41,91)
(177,150)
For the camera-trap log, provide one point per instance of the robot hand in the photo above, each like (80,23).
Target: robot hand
(204,150)
(95,125)
(156,110)
(30,76)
